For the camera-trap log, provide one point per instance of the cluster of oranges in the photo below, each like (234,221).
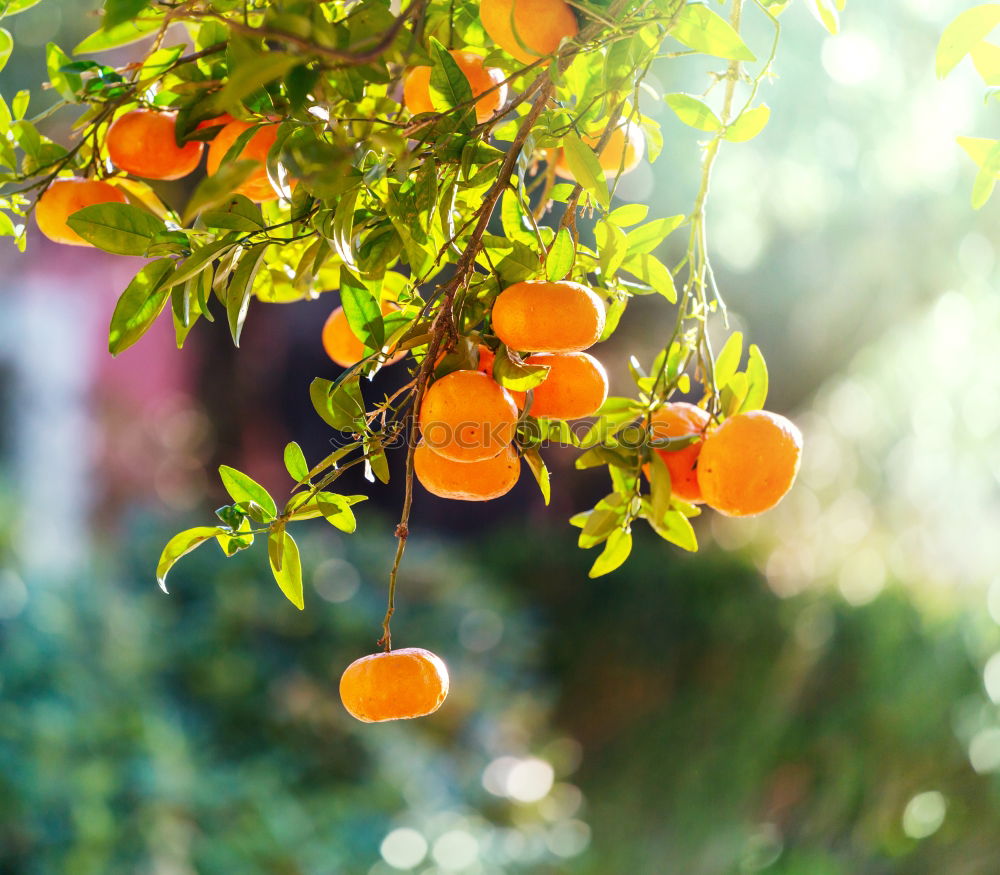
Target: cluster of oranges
(143,143)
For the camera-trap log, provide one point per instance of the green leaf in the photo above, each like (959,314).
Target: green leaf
(826,13)
(727,362)
(511,372)
(180,545)
(704,30)
(616,551)
(963,34)
(243,488)
(295,462)
(343,227)
(586,168)
(336,510)
(977,148)
(363,312)
(660,486)
(339,404)
(120,35)
(693,111)
(119,11)
(121,229)
(258,70)
(629,214)
(540,472)
(218,188)
(749,124)
(286,566)
(6,47)
(67,84)
(561,256)
(240,288)
(141,302)
(200,259)
(648,237)
(12,7)
(449,86)
(674,527)
(986,178)
(757,381)
(654,273)
(986,57)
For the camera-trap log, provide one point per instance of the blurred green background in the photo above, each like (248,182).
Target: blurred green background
(815,693)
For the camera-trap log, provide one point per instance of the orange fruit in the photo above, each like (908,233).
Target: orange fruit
(678,419)
(466,481)
(749,463)
(540,316)
(397,685)
(63,198)
(486,359)
(342,345)
(528,29)
(217,121)
(622,152)
(256,186)
(417,85)
(466,417)
(142,143)
(577,385)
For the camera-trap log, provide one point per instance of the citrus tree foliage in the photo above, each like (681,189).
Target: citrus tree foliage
(967,36)
(435,212)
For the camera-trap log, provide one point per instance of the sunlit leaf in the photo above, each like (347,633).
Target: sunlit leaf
(243,488)
(962,35)
(704,30)
(180,545)
(286,566)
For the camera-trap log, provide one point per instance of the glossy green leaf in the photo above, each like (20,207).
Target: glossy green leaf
(616,551)
(963,34)
(693,111)
(757,381)
(241,287)
(727,361)
(286,566)
(180,545)
(142,301)
(511,372)
(449,86)
(336,510)
(586,168)
(704,30)
(243,489)
(6,47)
(749,124)
(121,35)
(561,256)
(295,462)
(122,229)
(540,473)
(363,311)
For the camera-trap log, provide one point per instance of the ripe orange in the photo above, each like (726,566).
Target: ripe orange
(417,85)
(398,685)
(466,417)
(678,419)
(623,151)
(528,29)
(466,481)
(257,186)
(218,121)
(486,360)
(63,198)
(577,385)
(142,143)
(538,316)
(342,345)
(749,462)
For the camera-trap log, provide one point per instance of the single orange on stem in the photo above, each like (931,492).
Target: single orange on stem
(486,81)
(397,685)
(466,481)
(256,186)
(749,463)
(620,155)
(466,416)
(342,345)
(539,316)
(63,198)
(680,419)
(528,29)
(143,142)
(576,385)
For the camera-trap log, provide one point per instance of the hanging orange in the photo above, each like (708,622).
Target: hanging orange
(397,685)
(528,29)
(749,463)
(679,419)
(257,186)
(539,316)
(486,81)
(64,197)
(342,345)
(466,481)
(576,385)
(466,416)
(142,142)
